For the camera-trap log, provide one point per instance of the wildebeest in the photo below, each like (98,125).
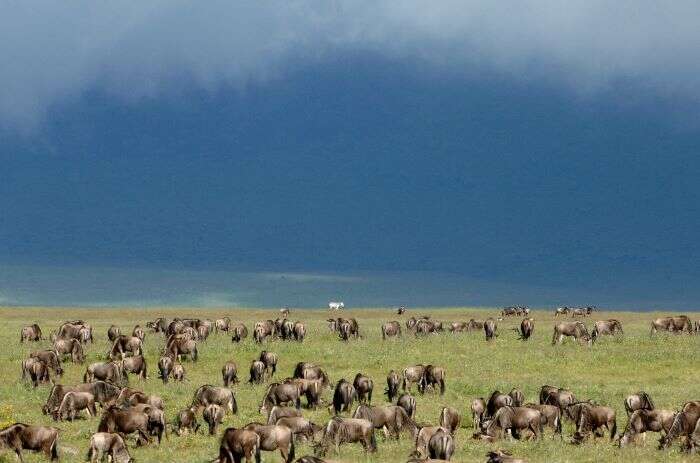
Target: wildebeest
(608,327)
(458,327)
(71,347)
(138,397)
(441,445)
(50,359)
(490,329)
(501,456)
(263,330)
(138,332)
(684,425)
(125,422)
(475,325)
(433,376)
(179,346)
(73,403)
(126,344)
(186,421)
(136,365)
(391,329)
(450,419)
(165,367)
(229,373)
(111,372)
(401,310)
(76,329)
(422,441)
(159,325)
(672,324)
(237,444)
(496,401)
(408,403)
(103,392)
(559,397)
(178,372)
(590,418)
(551,415)
(274,437)
(363,386)
(270,360)
(347,430)
(336,305)
(515,419)
(301,428)
(392,385)
(392,418)
(213,415)
(257,372)
(639,401)
(113,332)
(511,311)
(209,394)
(30,333)
(278,412)
(299,331)
(110,444)
(577,330)
(517,396)
(20,436)
(37,371)
(309,388)
(222,324)
(306,370)
(343,396)
(561,311)
(527,327)
(478,408)
(581,311)
(412,375)
(281,394)
(348,328)
(239,332)
(643,420)
(203,331)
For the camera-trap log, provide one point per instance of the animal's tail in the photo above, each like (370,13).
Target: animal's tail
(613,431)
(442,386)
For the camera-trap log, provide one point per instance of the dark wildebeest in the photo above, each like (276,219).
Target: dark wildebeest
(642,421)
(301,428)
(239,332)
(424,327)
(37,371)
(392,385)
(50,359)
(343,396)
(180,346)
(71,330)
(159,325)
(165,367)
(309,388)
(110,444)
(577,330)
(136,365)
(581,311)
(363,386)
(237,444)
(408,403)
(281,412)
(213,415)
(478,408)
(263,329)
(684,425)
(672,324)
(113,333)
(305,370)
(257,372)
(347,430)
(517,396)
(270,360)
(111,372)
(527,327)
(186,421)
(125,422)
(284,312)
(433,376)
(490,329)
(19,436)
(401,310)
(73,403)
(126,344)
(138,397)
(474,325)
(391,418)
(515,419)
(551,414)
(138,332)
(561,311)
(551,395)
(391,329)
(441,445)
(639,401)
(103,392)
(450,419)
(209,394)
(590,418)
(281,394)
(299,331)
(422,441)
(412,375)
(496,401)
(30,333)
(71,347)
(510,312)
(501,456)
(222,324)
(609,327)
(229,373)
(274,437)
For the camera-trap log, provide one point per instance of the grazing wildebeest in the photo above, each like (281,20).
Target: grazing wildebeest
(643,420)
(551,414)
(30,333)
(577,330)
(178,372)
(496,401)
(392,385)
(113,333)
(156,419)
(490,329)
(408,403)
(136,365)
(561,311)
(412,375)
(73,403)
(433,376)
(348,329)
(501,456)
(222,324)
(274,437)
(165,367)
(50,359)
(70,347)
(551,395)
(343,396)
(299,331)
(336,305)
(138,332)
(478,408)
(139,397)
(213,415)
(391,418)
(474,325)
(270,360)
(126,344)
(180,346)
(103,392)
(608,327)
(278,412)
(422,441)
(71,330)
(639,401)
(306,370)
(581,311)
(363,386)
(517,396)
(20,436)
(309,388)
(110,372)
(209,394)
(108,444)
(301,428)
(424,327)
(672,324)
(203,332)
(441,445)
(347,430)
(237,444)
(284,312)
(37,371)
(391,329)
(510,312)
(186,421)
(684,425)
(458,327)
(239,332)
(257,372)
(450,419)
(229,373)
(159,325)
(515,419)
(281,394)
(590,418)
(125,422)
(527,327)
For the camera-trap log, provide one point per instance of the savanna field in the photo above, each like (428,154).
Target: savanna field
(665,366)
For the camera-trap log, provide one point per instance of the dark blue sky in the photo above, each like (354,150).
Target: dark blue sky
(362,162)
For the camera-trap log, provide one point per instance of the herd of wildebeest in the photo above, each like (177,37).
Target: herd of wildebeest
(127,411)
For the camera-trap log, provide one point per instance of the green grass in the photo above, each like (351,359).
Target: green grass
(665,366)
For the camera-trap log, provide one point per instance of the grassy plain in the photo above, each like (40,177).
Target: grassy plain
(665,366)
